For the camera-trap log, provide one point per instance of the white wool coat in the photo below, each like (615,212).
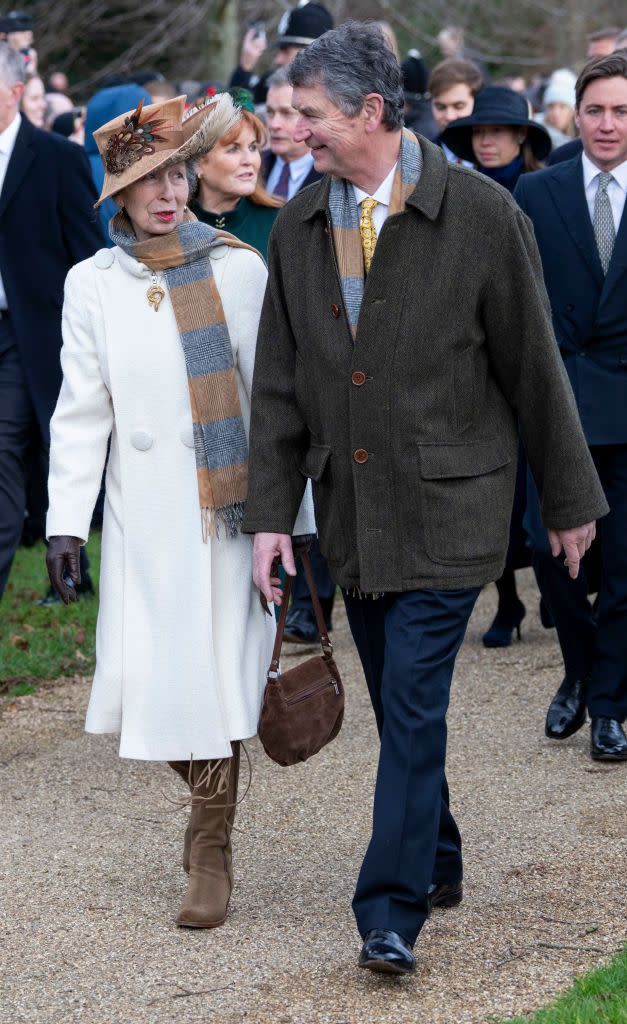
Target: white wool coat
(182,643)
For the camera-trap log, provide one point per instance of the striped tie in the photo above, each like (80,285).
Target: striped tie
(603,221)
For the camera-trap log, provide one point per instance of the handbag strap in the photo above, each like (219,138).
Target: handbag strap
(325,643)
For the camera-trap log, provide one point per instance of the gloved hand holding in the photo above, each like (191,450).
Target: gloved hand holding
(63,564)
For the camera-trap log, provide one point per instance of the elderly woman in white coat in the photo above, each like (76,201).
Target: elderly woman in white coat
(158,349)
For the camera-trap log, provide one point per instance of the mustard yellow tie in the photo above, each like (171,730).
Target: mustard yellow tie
(367,231)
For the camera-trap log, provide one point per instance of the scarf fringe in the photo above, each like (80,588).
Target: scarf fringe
(230,518)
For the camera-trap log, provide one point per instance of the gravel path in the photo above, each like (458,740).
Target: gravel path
(91,878)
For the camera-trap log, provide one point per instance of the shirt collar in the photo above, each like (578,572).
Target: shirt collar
(297,167)
(9,135)
(383,194)
(590,172)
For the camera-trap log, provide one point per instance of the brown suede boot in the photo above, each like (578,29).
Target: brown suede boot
(210,860)
(182,768)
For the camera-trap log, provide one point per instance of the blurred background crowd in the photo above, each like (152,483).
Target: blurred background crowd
(495,89)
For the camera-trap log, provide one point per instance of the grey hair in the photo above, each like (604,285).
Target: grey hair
(349,62)
(278,79)
(12,66)
(192,177)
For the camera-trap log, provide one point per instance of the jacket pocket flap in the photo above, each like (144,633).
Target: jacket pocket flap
(315,461)
(439,461)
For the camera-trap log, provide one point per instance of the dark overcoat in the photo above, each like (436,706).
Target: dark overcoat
(589,307)
(47,224)
(409,433)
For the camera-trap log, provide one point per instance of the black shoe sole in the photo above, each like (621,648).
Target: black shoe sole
(452,899)
(385,967)
(597,756)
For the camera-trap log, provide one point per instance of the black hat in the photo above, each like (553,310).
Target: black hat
(496,105)
(303,24)
(415,76)
(16,21)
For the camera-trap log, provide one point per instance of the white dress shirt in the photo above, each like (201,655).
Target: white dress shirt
(383,196)
(7,142)
(299,169)
(616,190)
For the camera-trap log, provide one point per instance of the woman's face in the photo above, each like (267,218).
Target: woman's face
(34,101)
(560,116)
(496,145)
(232,170)
(156,203)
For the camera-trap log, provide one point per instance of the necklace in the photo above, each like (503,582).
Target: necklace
(155,293)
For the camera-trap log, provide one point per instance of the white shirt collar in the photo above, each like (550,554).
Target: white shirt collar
(383,194)
(9,135)
(591,170)
(297,167)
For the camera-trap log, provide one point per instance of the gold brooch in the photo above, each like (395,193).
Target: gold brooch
(155,294)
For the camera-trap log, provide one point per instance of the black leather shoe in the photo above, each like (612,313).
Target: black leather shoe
(567,710)
(300,627)
(387,953)
(445,895)
(608,740)
(506,621)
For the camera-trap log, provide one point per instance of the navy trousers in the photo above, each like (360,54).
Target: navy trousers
(407,643)
(21,438)
(325,586)
(593,644)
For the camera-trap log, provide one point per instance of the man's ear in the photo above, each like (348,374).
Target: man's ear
(373,111)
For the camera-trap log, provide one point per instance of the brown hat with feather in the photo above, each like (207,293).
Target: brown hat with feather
(159,135)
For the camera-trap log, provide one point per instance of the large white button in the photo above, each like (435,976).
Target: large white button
(218,252)
(141,440)
(103,259)
(187,436)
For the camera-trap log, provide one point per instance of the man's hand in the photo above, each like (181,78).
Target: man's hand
(574,543)
(267,548)
(253,45)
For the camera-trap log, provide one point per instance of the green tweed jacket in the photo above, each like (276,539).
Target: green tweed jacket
(410,433)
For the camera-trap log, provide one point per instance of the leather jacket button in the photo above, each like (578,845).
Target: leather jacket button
(335,309)
(360,456)
(358,378)
(141,440)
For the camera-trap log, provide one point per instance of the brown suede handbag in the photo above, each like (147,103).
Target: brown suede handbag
(302,708)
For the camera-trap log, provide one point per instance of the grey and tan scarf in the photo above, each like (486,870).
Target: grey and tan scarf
(345,222)
(219,437)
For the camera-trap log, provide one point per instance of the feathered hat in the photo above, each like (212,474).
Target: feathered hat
(159,135)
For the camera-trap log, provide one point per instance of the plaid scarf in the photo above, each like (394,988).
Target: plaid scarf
(219,437)
(345,222)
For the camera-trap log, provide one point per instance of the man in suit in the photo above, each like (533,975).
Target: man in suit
(577,208)
(399,393)
(288,168)
(47,223)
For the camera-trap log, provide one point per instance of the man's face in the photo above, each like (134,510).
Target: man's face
(452,104)
(285,55)
(602,122)
(339,144)
(10,96)
(601,47)
(281,118)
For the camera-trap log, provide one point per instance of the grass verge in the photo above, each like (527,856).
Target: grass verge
(599,997)
(44,643)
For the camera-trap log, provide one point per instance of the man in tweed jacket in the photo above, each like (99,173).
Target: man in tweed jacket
(399,396)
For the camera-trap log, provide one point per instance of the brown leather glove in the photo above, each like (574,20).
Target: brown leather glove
(63,564)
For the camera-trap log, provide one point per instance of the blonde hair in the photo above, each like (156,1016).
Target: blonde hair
(259,196)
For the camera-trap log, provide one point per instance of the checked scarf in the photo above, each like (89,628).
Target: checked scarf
(345,222)
(219,437)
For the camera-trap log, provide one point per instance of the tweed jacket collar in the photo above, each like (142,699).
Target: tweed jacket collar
(427,196)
